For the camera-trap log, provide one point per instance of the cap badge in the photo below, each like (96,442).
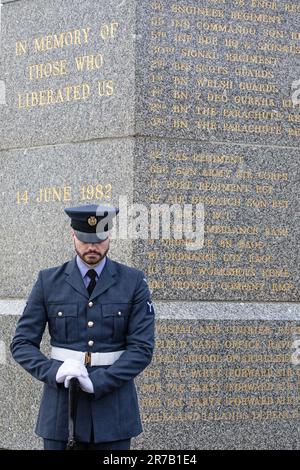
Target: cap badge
(92,221)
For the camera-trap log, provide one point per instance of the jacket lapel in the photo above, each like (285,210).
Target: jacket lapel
(73,277)
(107,279)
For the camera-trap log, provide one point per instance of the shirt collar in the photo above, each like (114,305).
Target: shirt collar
(83,268)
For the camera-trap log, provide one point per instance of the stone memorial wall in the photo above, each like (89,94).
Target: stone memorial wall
(172,104)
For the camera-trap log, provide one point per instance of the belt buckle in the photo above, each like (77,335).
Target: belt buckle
(88,359)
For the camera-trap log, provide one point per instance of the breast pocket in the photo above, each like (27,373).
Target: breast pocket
(63,322)
(115,320)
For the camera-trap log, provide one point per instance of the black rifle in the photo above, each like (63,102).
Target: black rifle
(73,387)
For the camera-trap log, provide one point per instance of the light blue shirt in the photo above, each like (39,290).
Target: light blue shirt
(83,268)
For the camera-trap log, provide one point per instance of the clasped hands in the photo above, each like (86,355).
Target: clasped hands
(73,368)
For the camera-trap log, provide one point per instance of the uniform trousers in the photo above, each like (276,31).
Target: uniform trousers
(49,444)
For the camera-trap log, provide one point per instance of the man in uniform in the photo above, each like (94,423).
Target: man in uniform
(101,323)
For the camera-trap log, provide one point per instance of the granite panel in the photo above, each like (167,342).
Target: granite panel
(208,93)
(20,395)
(219,71)
(37,184)
(222,385)
(213,384)
(68,69)
(203,71)
(250,198)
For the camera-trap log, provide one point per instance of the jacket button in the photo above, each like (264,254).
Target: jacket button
(90,324)
(60,314)
(91,343)
(119,313)
(91,304)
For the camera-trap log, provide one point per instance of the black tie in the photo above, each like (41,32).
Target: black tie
(92,275)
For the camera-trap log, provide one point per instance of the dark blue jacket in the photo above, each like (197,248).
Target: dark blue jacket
(113,409)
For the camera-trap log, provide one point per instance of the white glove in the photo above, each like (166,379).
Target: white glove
(85,383)
(71,368)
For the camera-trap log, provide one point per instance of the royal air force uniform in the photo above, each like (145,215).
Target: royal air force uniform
(111,331)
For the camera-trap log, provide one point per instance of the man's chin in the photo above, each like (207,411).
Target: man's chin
(92,259)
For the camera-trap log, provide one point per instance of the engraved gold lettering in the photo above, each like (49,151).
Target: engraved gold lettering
(259,101)
(264,189)
(252,128)
(282,286)
(21,48)
(54,194)
(51,97)
(276,231)
(295,36)
(89,62)
(98,191)
(251,58)
(217,98)
(22,197)
(61,40)
(280,204)
(208,40)
(180,23)
(180,124)
(266,4)
(233,43)
(197,10)
(260,259)
(199,53)
(242,286)
(272,272)
(158,35)
(108,30)
(206,125)
(106,87)
(182,37)
(214,83)
(49,69)
(280,48)
(256,17)
(274,33)
(180,108)
(157,21)
(227,28)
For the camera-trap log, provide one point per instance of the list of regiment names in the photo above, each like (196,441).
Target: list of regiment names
(223,69)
